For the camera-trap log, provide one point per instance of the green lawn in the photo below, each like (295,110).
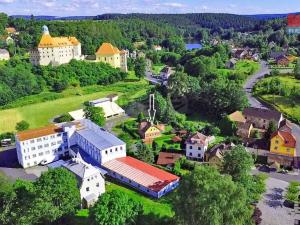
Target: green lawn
(161,207)
(167,141)
(243,69)
(285,104)
(42,109)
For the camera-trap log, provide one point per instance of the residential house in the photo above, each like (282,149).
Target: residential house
(244,128)
(55,50)
(111,55)
(90,180)
(261,118)
(168,158)
(149,131)
(282,148)
(215,156)
(240,53)
(4,54)
(157,47)
(231,63)
(282,60)
(196,146)
(11,31)
(165,73)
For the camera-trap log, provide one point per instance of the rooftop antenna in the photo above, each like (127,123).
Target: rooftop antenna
(151,110)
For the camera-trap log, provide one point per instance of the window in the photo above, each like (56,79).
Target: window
(191,147)
(97,185)
(276,142)
(199,148)
(199,155)
(40,146)
(41,154)
(110,150)
(106,152)
(46,145)
(47,152)
(87,189)
(32,148)
(31,141)
(34,155)
(275,148)
(191,154)
(39,139)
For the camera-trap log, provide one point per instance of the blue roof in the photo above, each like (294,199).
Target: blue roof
(101,139)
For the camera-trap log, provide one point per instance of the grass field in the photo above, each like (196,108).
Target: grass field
(41,111)
(160,207)
(243,68)
(285,104)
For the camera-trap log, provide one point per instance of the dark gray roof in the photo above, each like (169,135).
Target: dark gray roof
(262,113)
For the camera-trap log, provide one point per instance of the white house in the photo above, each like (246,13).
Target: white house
(157,48)
(4,54)
(55,50)
(90,180)
(196,146)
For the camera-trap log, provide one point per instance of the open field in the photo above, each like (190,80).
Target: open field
(159,207)
(156,68)
(41,112)
(286,104)
(243,68)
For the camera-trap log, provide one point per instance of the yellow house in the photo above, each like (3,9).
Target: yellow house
(110,54)
(149,131)
(283,143)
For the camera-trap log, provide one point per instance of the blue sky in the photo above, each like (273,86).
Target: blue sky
(94,7)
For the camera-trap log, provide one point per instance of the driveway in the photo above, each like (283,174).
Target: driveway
(150,78)
(272,204)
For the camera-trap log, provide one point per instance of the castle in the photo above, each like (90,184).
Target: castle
(55,50)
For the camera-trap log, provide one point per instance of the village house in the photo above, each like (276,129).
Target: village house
(149,131)
(283,145)
(261,118)
(4,54)
(230,64)
(55,50)
(282,60)
(166,72)
(196,146)
(91,182)
(244,128)
(111,55)
(11,31)
(157,47)
(216,154)
(168,158)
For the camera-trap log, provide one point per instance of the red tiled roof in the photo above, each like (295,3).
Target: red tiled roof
(141,173)
(289,139)
(166,158)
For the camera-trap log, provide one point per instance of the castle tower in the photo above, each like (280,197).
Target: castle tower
(45,30)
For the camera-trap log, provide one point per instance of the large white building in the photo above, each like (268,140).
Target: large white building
(4,54)
(196,146)
(55,50)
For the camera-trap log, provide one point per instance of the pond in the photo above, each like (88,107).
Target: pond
(192,44)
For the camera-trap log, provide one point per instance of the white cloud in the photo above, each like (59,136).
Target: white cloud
(6,1)
(173,4)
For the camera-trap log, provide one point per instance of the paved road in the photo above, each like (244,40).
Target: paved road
(152,79)
(251,82)
(274,211)
(280,176)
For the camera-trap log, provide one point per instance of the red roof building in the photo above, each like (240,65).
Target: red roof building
(167,158)
(142,176)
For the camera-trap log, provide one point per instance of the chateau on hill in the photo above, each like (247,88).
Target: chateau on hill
(110,54)
(55,50)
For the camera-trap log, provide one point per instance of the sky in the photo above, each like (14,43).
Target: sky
(95,7)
